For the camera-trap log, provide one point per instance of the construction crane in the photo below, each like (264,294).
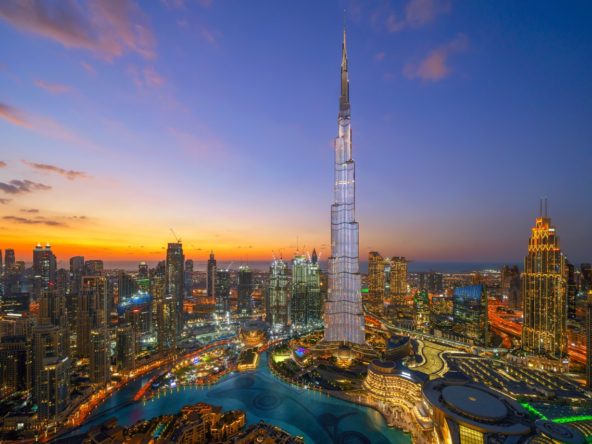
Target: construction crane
(175,236)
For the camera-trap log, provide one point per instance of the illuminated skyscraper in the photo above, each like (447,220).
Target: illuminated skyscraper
(245,290)
(376,278)
(344,317)
(470,314)
(398,287)
(544,295)
(188,277)
(92,312)
(93,267)
(278,295)
(44,269)
(305,300)
(211,283)
(511,287)
(174,282)
(223,289)
(9,259)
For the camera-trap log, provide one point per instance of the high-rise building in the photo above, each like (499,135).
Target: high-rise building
(544,295)
(126,347)
(188,277)
(9,260)
(223,290)
(143,270)
(278,295)
(469,312)
(174,281)
(344,316)
(15,363)
(398,280)
(44,269)
(511,286)
(92,312)
(164,312)
(93,267)
(376,279)
(54,388)
(585,270)
(100,359)
(431,281)
(245,290)
(589,340)
(211,283)
(305,299)
(571,289)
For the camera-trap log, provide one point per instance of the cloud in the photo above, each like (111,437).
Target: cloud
(147,77)
(12,115)
(68,174)
(434,66)
(22,186)
(37,221)
(29,210)
(3,164)
(109,28)
(54,88)
(379,56)
(4,201)
(417,13)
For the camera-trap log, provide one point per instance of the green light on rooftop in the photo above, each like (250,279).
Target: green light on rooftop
(364,290)
(532,410)
(573,419)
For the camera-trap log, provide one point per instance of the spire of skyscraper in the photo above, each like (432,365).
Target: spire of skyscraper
(344,107)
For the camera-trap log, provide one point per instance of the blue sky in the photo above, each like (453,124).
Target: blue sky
(217,118)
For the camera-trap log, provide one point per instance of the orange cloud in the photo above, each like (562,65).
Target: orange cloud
(54,88)
(22,186)
(417,14)
(3,164)
(106,27)
(434,66)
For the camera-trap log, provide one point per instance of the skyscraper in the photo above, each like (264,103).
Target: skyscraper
(9,260)
(589,340)
(398,287)
(376,278)
(544,297)
(174,282)
(511,287)
(223,289)
(211,283)
(278,295)
(245,290)
(344,317)
(92,312)
(571,289)
(93,267)
(44,269)
(305,300)
(188,277)
(470,314)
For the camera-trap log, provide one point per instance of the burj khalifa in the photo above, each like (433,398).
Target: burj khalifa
(344,315)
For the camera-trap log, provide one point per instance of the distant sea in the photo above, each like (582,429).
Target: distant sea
(414,266)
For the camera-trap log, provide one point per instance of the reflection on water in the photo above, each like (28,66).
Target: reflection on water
(317,417)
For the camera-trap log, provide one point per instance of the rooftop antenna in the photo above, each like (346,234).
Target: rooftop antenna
(545,206)
(541,207)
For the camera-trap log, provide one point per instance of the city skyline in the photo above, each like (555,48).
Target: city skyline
(135,99)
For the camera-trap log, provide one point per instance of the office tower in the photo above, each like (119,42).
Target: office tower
(421,306)
(143,270)
(211,283)
(126,347)
(99,368)
(344,316)
(469,311)
(298,294)
(314,301)
(223,290)
(92,312)
(571,289)
(44,269)
(164,310)
(45,344)
(15,363)
(54,388)
(544,295)
(188,277)
(398,280)
(174,282)
(52,311)
(511,286)
(93,268)
(376,278)
(245,290)
(9,260)
(278,295)
(431,281)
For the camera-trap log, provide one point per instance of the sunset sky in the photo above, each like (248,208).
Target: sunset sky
(120,120)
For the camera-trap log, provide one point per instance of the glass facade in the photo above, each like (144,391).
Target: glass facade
(469,312)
